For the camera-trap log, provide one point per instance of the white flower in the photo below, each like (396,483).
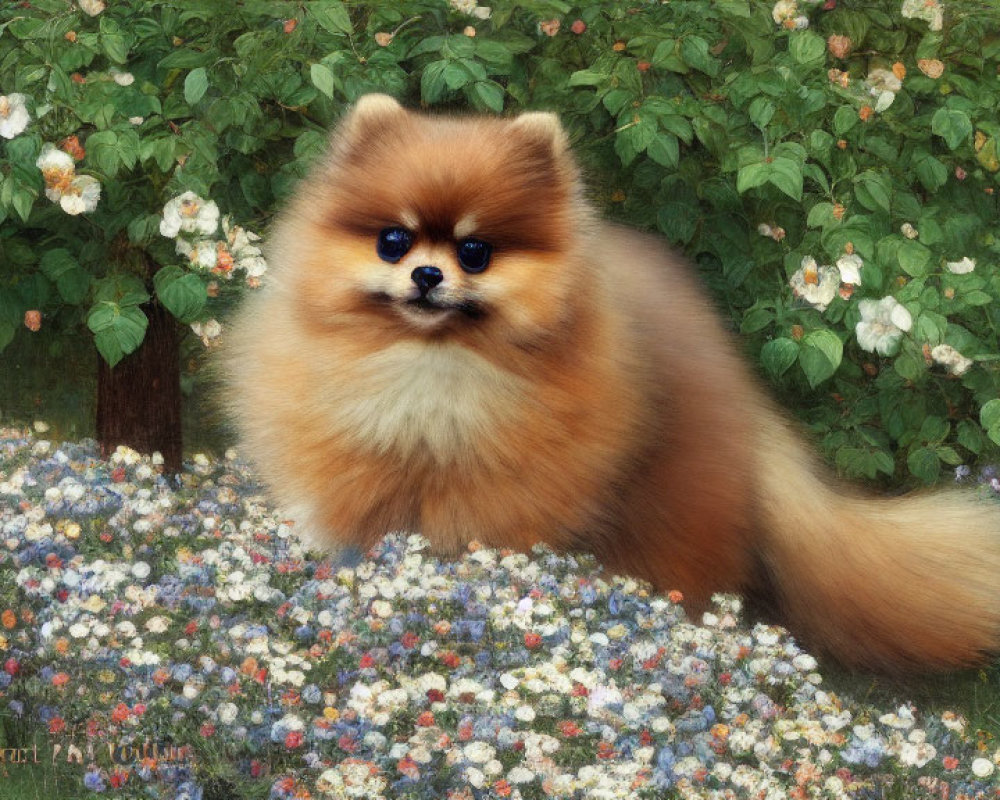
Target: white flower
(850,268)
(122,78)
(82,195)
(202,253)
(784,10)
(158,624)
(883,85)
(469,7)
(816,285)
(961,267)
(882,325)
(908,231)
(947,356)
(189,213)
(478,752)
(92,7)
(140,569)
(228,713)
(520,775)
(930,11)
(982,767)
(14,117)
(207,331)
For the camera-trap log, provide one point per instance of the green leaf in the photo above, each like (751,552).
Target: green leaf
(57,262)
(989,414)
(74,285)
(874,190)
(786,174)
(822,352)
(761,111)
(845,118)
(432,82)
(952,125)
(931,172)
(195,85)
(694,49)
(488,95)
(821,215)
(664,150)
(588,77)
(750,177)
(778,355)
(971,437)
(331,15)
(113,41)
(806,46)
(322,78)
(757,317)
(924,464)
(182,293)
(117,331)
(913,258)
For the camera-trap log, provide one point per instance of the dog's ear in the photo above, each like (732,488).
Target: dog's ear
(370,114)
(542,126)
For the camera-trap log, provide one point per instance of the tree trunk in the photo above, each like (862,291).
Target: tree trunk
(139,400)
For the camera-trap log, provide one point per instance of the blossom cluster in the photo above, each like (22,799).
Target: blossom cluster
(139,607)
(211,245)
(883,322)
(75,193)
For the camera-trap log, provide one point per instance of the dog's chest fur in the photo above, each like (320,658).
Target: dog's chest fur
(441,399)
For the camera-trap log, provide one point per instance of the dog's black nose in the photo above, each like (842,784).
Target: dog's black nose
(426,278)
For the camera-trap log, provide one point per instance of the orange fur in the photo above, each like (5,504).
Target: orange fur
(594,401)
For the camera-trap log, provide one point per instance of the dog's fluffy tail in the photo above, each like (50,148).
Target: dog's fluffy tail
(886,583)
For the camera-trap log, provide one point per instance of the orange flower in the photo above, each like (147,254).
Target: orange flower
(675,596)
(866,113)
(550,27)
(839,46)
(8,619)
(60,679)
(33,319)
(899,70)
(931,67)
(71,145)
(290,25)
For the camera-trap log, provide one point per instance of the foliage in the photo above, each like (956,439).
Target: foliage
(832,170)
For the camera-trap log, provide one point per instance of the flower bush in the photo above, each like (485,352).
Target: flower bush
(814,159)
(175,639)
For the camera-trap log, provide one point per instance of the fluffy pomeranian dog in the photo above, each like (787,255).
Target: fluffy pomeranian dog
(451,342)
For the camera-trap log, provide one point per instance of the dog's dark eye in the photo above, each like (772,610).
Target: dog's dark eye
(474,254)
(393,244)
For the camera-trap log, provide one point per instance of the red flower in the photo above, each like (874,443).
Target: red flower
(10,666)
(426,719)
(435,695)
(367,661)
(293,739)
(409,640)
(118,778)
(532,640)
(118,474)
(578,27)
(207,730)
(569,728)
(120,713)
(57,725)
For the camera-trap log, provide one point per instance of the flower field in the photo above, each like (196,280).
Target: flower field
(174,639)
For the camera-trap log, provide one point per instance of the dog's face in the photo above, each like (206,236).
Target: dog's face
(437,226)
